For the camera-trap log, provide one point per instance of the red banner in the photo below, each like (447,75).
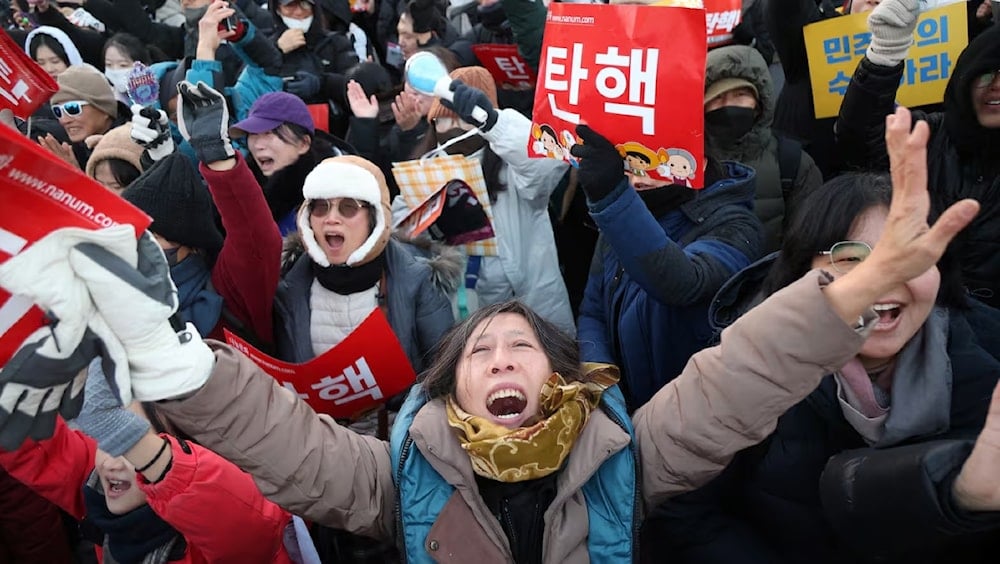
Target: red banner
(721,18)
(509,69)
(362,372)
(24,86)
(608,66)
(41,194)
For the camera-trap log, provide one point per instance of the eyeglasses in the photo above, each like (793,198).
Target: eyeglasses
(73,108)
(845,255)
(986,79)
(346,207)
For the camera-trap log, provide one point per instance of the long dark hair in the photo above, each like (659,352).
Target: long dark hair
(44,39)
(824,216)
(439,378)
(130,46)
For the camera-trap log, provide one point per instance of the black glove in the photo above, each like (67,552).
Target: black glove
(203,119)
(466,100)
(601,166)
(305,85)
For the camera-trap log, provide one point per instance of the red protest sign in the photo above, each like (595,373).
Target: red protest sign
(24,86)
(40,194)
(607,66)
(721,18)
(508,67)
(366,369)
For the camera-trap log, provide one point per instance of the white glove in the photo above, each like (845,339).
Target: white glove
(137,300)
(45,376)
(892,23)
(151,129)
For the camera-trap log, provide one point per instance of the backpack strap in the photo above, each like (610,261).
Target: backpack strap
(789,160)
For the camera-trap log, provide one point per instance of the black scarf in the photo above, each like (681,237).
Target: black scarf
(344,280)
(283,189)
(131,537)
(665,199)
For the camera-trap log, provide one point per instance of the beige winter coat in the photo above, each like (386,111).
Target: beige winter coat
(728,398)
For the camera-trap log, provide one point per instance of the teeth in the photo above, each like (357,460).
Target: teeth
(885,307)
(505,393)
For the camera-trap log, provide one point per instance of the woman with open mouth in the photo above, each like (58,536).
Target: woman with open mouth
(511,451)
(867,464)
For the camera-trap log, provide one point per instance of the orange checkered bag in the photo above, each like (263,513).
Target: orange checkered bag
(422,178)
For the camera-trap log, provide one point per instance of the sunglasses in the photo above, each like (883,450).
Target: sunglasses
(986,79)
(73,108)
(845,255)
(346,207)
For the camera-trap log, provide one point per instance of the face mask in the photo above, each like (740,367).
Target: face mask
(118,78)
(171,255)
(729,124)
(293,23)
(193,15)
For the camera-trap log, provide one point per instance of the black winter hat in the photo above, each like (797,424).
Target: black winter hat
(171,192)
(426,16)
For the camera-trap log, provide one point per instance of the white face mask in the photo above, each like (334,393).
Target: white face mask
(293,23)
(118,78)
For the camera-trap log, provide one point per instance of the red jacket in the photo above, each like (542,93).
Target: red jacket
(248,267)
(212,503)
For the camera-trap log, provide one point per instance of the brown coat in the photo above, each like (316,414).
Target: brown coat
(729,397)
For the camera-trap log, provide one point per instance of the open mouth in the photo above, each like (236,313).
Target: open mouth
(117,487)
(507,403)
(887,313)
(334,241)
(265,162)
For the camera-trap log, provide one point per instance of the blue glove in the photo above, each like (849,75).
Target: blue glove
(464,102)
(115,428)
(305,85)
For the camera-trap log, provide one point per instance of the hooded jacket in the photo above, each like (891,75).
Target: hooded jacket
(815,492)
(328,52)
(963,159)
(725,400)
(758,149)
(652,278)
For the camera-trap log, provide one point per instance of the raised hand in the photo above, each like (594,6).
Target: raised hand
(137,299)
(362,106)
(977,487)
(62,150)
(892,23)
(601,166)
(405,111)
(151,129)
(466,99)
(209,35)
(203,119)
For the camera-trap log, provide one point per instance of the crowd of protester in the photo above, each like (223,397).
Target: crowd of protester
(797,363)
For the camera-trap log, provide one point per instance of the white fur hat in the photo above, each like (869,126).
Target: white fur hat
(347,177)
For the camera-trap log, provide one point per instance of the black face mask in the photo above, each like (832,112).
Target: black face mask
(728,124)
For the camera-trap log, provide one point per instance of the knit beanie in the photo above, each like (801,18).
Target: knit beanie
(171,192)
(477,77)
(426,15)
(347,176)
(87,84)
(115,144)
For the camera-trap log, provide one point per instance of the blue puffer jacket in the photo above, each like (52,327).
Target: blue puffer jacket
(652,279)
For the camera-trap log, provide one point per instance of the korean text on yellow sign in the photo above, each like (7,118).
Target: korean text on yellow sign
(835,46)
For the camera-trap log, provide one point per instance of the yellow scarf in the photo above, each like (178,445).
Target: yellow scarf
(526,453)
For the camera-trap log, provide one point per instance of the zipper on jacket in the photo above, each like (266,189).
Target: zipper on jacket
(400,537)
(510,525)
(637,487)
(616,309)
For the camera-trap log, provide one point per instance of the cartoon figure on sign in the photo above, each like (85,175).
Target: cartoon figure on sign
(640,159)
(680,166)
(551,145)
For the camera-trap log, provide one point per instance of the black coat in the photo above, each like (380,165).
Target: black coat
(814,492)
(963,158)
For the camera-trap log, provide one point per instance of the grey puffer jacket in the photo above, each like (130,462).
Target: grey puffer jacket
(758,149)
(417,306)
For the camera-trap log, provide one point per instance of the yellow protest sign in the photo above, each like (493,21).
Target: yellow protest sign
(835,46)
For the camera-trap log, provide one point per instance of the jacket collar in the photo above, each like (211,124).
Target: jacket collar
(737,188)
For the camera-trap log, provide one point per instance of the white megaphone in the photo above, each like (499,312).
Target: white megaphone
(428,75)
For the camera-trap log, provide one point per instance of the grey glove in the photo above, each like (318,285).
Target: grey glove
(151,129)
(892,23)
(115,428)
(137,303)
(203,119)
